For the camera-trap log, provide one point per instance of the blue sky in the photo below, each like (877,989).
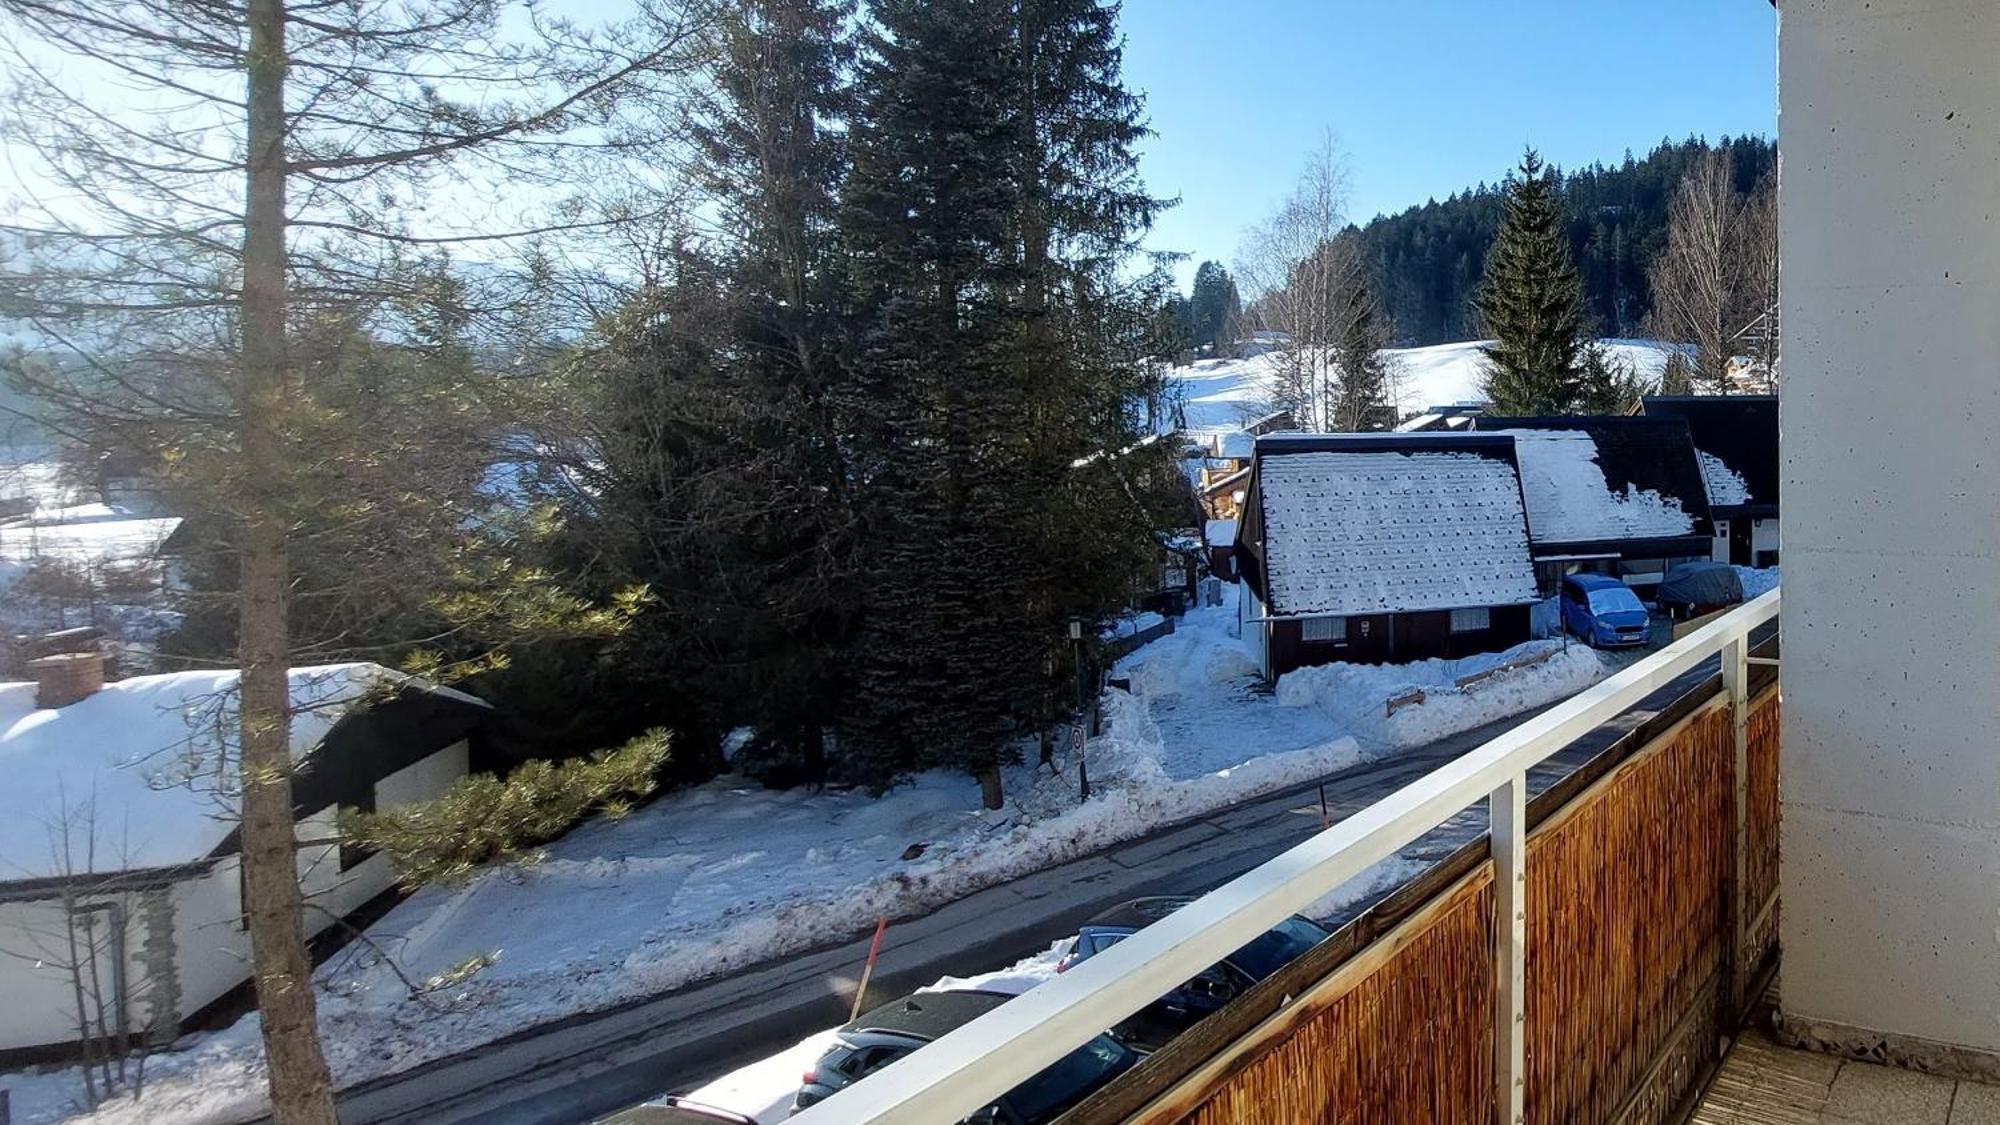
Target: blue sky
(1424,96)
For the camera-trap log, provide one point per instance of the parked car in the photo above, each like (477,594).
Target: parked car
(1153,1025)
(893,1030)
(672,1110)
(1604,612)
(1694,588)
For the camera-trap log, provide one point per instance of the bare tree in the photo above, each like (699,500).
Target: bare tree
(1715,283)
(207,185)
(1300,272)
(1757,336)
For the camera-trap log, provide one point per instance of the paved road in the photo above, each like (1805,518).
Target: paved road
(593,1065)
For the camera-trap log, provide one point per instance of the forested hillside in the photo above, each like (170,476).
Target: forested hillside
(1428,260)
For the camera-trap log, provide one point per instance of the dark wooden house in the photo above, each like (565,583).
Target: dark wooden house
(1736,439)
(1617,494)
(1382,548)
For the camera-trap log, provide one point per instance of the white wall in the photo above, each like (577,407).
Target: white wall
(212,950)
(1890,193)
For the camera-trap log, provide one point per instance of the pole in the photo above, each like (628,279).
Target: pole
(1325,820)
(868,970)
(1078,733)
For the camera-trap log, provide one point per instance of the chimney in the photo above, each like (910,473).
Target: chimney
(67,677)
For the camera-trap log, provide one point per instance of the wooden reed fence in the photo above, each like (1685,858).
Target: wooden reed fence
(1632,956)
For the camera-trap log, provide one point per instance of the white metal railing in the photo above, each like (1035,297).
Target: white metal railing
(970,1067)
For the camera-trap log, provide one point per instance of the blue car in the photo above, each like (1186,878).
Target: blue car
(1604,612)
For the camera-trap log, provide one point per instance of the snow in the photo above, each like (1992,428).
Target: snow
(1131,625)
(63,526)
(1221,533)
(129,778)
(1354,696)
(1219,395)
(1368,532)
(1726,486)
(712,879)
(1757,583)
(1569,501)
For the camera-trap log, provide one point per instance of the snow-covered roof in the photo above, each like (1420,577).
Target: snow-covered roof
(1726,487)
(142,773)
(1569,500)
(1221,533)
(1388,530)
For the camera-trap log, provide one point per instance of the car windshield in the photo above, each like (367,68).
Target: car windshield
(1615,599)
(1279,946)
(1070,1080)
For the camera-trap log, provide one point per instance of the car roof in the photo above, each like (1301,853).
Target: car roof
(1594,581)
(1698,564)
(675,1111)
(1139,912)
(928,1015)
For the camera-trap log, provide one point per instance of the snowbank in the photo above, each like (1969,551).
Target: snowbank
(1356,695)
(1757,583)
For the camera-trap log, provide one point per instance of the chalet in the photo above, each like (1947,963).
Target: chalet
(1617,494)
(1220,535)
(1378,548)
(1736,438)
(1455,418)
(120,887)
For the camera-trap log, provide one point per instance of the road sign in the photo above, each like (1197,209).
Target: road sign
(1076,739)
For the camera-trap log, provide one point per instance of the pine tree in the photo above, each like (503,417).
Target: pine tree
(1607,384)
(992,198)
(1215,305)
(1361,399)
(773,160)
(930,215)
(1532,302)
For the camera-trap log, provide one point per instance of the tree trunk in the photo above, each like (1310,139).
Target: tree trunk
(301,1088)
(989,788)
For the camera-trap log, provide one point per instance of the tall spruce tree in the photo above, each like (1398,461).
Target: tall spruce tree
(931,212)
(773,161)
(992,197)
(1532,302)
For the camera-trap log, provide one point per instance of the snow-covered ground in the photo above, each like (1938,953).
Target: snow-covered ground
(1221,394)
(712,879)
(106,545)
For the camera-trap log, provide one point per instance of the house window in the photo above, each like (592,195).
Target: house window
(1323,629)
(1476,620)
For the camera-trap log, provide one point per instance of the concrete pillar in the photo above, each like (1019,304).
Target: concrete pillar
(1889,129)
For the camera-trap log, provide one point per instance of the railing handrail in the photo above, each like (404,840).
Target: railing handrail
(973,1065)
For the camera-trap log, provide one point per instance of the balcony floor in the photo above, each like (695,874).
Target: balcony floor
(1765,1083)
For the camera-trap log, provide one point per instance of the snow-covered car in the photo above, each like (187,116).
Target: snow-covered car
(893,1030)
(1694,588)
(676,1111)
(1604,612)
(1153,1025)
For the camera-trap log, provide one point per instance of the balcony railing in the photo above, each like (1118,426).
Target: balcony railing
(1581,969)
